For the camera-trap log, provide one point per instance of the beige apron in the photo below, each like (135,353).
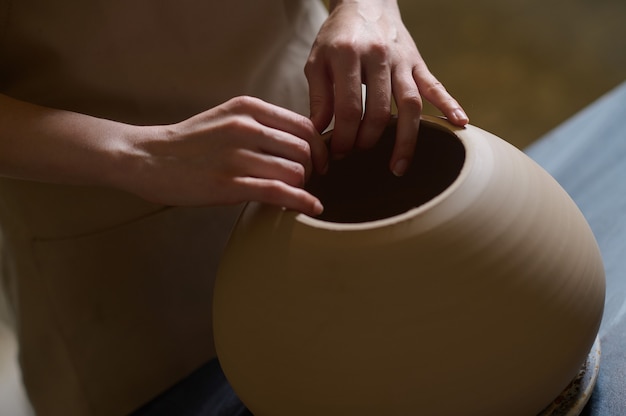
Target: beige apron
(112,295)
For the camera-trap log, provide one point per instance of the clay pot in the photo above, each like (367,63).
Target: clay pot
(471,286)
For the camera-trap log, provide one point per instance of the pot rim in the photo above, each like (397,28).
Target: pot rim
(437,122)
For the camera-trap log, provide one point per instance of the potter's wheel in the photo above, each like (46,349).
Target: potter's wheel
(576,395)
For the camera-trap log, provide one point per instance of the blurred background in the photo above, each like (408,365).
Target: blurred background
(521,67)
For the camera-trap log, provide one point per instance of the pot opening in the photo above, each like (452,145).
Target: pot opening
(361,188)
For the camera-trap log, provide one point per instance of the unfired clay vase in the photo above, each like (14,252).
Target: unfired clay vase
(471,286)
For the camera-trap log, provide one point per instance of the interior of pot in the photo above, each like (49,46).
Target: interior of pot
(361,188)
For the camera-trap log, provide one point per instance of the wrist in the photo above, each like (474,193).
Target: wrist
(127,158)
(332,4)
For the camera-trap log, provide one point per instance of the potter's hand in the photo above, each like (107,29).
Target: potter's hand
(365,42)
(245,149)
(242,150)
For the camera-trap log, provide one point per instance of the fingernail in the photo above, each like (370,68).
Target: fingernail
(400,167)
(460,116)
(318,208)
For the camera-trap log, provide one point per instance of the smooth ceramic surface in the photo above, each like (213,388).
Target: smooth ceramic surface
(475,259)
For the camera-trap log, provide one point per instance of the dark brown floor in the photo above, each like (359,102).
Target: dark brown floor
(521,67)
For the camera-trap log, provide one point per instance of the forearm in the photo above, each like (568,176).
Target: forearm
(242,150)
(50,145)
